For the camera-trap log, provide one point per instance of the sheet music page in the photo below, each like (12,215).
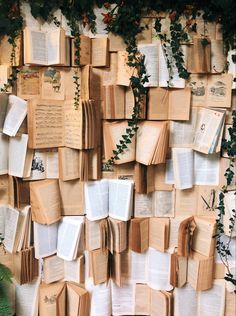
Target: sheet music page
(69,234)
(206,169)
(150,51)
(120,199)
(73,126)
(27,298)
(4,150)
(16,112)
(45,124)
(96,199)
(45,239)
(158,275)
(11,222)
(17,155)
(183,167)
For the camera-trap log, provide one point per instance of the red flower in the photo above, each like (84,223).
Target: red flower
(172,16)
(189,23)
(107,18)
(107,5)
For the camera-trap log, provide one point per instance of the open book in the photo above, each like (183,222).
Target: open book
(151,133)
(57,123)
(45,201)
(109,197)
(46,47)
(62,298)
(56,269)
(149,232)
(167,104)
(15,160)
(15,115)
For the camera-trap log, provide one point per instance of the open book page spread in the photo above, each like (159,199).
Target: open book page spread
(105,211)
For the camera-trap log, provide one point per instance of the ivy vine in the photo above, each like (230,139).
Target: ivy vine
(222,246)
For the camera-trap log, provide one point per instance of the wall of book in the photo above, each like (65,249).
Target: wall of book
(136,239)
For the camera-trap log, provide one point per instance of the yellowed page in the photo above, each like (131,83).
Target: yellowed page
(45,124)
(186,202)
(157,233)
(179,104)
(142,299)
(218,58)
(53,268)
(124,72)
(48,298)
(69,162)
(116,43)
(100,52)
(53,84)
(198,85)
(99,260)
(158,104)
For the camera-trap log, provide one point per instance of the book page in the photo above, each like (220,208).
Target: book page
(74,270)
(148,134)
(143,205)
(54,49)
(198,85)
(158,275)
(231,63)
(142,299)
(164,203)
(52,164)
(52,299)
(208,127)
(4,190)
(212,301)
(99,265)
(27,298)
(45,124)
(38,168)
(158,304)
(186,202)
(36,47)
(93,234)
(206,169)
(96,208)
(4,157)
(45,201)
(150,51)
(185,294)
(99,52)
(208,200)
(69,234)
(3,108)
(10,233)
(45,240)
(158,106)
(218,58)
(219,90)
(5,72)
(124,72)
(100,293)
(182,133)
(120,199)
(159,233)
(17,155)
(53,84)
(123,299)
(16,112)
(179,104)
(72,197)
(183,167)
(73,126)
(203,241)
(69,162)
(164,75)
(28,83)
(53,268)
